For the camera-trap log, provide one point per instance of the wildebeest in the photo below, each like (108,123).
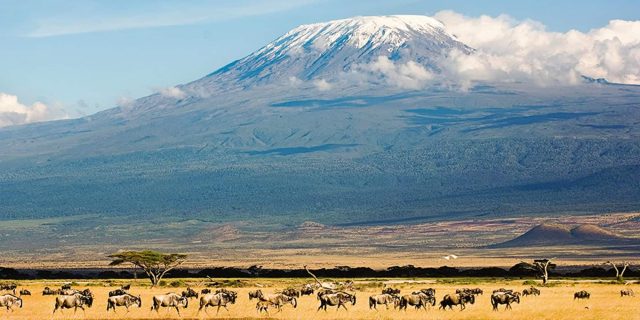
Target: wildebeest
(503,290)
(205,291)
(68,292)
(65,286)
(581,295)
(338,299)
(263,306)
(25,292)
(459,299)
(476,291)
(384,298)
(279,299)
(126,287)
(531,291)
(190,293)
(291,292)
(220,299)
(417,299)
(9,287)
(48,292)
(306,290)
(503,298)
(169,300)
(75,301)
(322,292)
(9,300)
(255,294)
(117,292)
(125,300)
(627,292)
(429,291)
(390,291)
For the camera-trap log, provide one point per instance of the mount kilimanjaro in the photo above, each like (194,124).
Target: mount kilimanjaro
(347,122)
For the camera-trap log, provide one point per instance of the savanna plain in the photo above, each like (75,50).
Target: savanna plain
(556,301)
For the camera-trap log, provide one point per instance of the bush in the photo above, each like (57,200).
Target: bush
(177,283)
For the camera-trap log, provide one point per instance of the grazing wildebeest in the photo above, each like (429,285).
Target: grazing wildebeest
(627,292)
(190,293)
(384,298)
(581,295)
(459,299)
(503,298)
(25,292)
(338,299)
(74,301)
(306,290)
(169,300)
(531,291)
(255,294)
(125,300)
(390,291)
(9,300)
(205,291)
(291,292)
(220,299)
(417,299)
(66,286)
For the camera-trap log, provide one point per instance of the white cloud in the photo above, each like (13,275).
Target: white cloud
(408,75)
(322,84)
(12,112)
(510,50)
(173,92)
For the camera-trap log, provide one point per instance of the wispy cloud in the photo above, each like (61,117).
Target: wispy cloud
(154,15)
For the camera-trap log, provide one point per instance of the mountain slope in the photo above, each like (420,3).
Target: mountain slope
(263,138)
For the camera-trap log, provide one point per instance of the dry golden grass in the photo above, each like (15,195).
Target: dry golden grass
(554,303)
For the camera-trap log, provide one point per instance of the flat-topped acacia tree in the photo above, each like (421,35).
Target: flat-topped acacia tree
(155,264)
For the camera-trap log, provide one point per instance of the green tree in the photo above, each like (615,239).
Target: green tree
(155,264)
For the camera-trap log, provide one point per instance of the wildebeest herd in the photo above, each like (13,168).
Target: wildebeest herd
(70,298)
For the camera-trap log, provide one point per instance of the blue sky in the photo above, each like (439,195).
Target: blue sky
(86,55)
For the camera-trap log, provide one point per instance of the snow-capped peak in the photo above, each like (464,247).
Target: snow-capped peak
(328,49)
(363,30)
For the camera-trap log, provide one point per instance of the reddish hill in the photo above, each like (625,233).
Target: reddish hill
(558,235)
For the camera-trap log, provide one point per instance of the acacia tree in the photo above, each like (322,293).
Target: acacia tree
(155,264)
(619,272)
(541,267)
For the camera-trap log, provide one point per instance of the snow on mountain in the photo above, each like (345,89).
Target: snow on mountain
(328,50)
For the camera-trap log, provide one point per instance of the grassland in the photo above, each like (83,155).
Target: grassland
(555,302)
(41,244)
